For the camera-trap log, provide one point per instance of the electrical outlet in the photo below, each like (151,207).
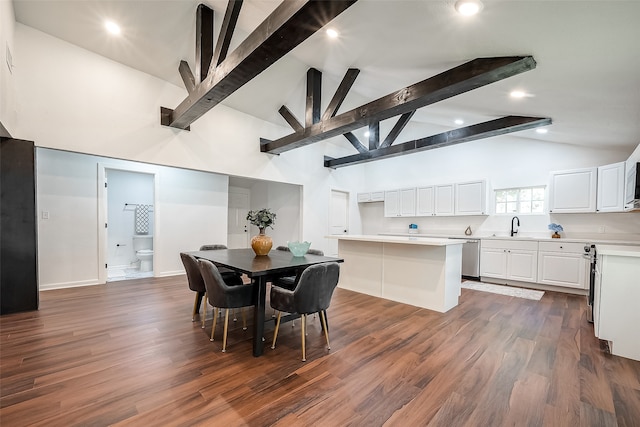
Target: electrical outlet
(601,229)
(45,214)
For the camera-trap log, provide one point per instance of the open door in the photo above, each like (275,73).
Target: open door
(338,218)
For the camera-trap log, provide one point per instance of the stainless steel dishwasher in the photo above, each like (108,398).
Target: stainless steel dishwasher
(470,257)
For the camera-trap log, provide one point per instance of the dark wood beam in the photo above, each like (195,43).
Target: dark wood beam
(466,77)
(226,32)
(397,128)
(187,76)
(341,93)
(356,142)
(314,89)
(291,119)
(204,41)
(501,126)
(291,23)
(374,135)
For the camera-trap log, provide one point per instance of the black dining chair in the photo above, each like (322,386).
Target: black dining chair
(196,283)
(312,294)
(226,293)
(215,247)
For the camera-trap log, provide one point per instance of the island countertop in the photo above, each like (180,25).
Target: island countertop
(408,240)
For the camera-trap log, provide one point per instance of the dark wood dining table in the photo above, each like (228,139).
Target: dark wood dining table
(261,269)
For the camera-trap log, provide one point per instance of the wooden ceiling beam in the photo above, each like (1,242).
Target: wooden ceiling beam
(374,135)
(314,89)
(187,76)
(466,77)
(356,142)
(291,23)
(341,93)
(397,128)
(291,119)
(501,126)
(204,41)
(226,32)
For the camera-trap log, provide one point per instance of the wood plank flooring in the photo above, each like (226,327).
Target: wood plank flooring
(127,354)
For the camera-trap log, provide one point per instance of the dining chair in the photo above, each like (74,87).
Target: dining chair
(215,247)
(289,282)
(312,294)
(226,293)
(196,283)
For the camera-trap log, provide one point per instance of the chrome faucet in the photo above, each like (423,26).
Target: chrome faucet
(514,232)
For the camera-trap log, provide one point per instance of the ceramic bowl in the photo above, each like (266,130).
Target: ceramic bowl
(298,248)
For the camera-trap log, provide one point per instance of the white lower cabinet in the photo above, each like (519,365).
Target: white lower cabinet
(563,264)
(512,260)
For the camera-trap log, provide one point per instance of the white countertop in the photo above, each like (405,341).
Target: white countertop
(619,250)
(598,241)
(408,239)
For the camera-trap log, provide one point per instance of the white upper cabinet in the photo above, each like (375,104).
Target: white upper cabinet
(471,198)
(425,202)
(400,202)
(573,191)
(444,199)
(611,188)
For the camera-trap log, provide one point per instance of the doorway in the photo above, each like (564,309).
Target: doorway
(338,218)
(238,226)
(128,208)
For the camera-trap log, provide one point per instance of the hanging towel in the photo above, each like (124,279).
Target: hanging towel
(142,219)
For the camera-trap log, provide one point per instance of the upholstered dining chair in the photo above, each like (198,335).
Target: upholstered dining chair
(289,282)
(215,247)
(224,293)
(196,283)
(312,294)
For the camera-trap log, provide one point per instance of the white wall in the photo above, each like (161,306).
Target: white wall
(190,209)
(8,114)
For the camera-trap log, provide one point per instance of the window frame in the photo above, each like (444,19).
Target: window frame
(518,201)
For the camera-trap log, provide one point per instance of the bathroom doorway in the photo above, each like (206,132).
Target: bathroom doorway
(129,225)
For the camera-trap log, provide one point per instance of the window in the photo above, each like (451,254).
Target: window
(520,200)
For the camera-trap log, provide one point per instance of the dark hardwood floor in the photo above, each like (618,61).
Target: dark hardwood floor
(127,354)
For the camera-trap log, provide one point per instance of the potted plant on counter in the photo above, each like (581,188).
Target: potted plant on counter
(263,218)
(556,228)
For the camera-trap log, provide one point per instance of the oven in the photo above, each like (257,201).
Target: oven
(590,254)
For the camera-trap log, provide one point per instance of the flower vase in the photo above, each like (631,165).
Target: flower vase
(261,244)
(556,235)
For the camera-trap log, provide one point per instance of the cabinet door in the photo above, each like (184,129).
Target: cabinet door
(563,269)
(391,203)
(470,198)
(425,201)
(493,263)
(444,199)
(364,197)
(377,196)
(522,265)
(610,197)
(573,191)
(408,202)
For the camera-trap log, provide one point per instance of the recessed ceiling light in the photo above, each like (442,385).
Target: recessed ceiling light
(458,121)
(332,34)
(468,7)
(542,130)
(112,27)
(518,94)
(366,134)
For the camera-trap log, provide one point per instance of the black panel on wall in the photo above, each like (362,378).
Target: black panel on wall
(18,227)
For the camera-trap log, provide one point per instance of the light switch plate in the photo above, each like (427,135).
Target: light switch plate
(45,214)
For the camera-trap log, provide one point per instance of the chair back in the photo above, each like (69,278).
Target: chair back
(283,248)
(196,283)
(315,252)
(218,291)
(315,287)
(212,247)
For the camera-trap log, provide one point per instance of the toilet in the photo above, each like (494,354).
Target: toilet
(143,245)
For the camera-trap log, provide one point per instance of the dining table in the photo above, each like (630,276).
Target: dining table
(261,270)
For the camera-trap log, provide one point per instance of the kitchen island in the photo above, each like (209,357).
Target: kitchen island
(420,271)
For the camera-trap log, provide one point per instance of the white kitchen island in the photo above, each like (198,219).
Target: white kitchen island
(420,271)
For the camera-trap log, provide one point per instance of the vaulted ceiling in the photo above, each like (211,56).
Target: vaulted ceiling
(587,77)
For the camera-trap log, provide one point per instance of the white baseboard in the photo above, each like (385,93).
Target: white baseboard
(170,273)
(62,285)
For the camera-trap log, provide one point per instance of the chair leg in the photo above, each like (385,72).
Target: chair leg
(195,308)
(303,320)
(215,319)
(204,309)
(324,326)
(226,327)
(244,319)
(275,331)
(235,318)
